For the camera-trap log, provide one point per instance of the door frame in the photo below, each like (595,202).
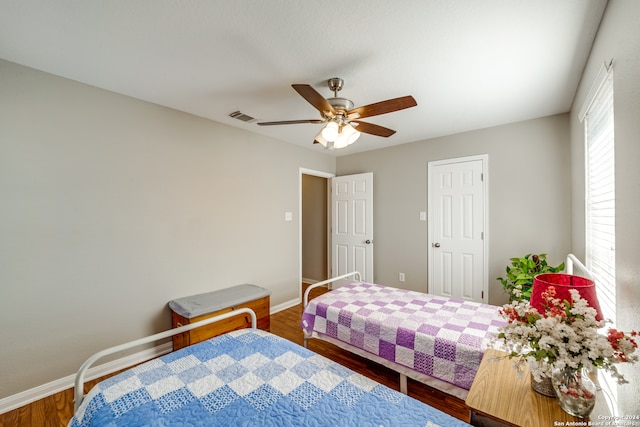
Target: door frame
(321,174)
(485,217)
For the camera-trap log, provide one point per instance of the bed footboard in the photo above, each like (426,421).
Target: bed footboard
(305,299)
(79,380)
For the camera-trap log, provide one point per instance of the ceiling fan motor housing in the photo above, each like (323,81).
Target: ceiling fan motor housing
(335,84)
(341,104)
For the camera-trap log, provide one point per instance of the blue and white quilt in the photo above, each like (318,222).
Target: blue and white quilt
(249,378)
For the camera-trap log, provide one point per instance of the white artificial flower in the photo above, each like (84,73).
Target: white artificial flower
(563,336)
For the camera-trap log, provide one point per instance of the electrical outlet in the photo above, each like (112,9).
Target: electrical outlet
(401,277)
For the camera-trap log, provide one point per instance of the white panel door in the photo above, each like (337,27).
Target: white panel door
(457,264)
(352,225)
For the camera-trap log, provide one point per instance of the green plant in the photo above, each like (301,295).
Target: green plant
(520,274)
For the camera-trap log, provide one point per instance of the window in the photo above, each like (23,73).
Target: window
(598,119)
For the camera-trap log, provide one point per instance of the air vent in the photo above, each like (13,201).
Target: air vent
(242,117)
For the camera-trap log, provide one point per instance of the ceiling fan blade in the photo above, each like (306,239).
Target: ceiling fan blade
(372,129)
(383,107)
(290,122)
(314,98)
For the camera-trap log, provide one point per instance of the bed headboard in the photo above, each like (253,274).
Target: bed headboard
(575,266)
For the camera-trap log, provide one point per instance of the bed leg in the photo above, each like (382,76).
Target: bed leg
(403,384)
(305,342)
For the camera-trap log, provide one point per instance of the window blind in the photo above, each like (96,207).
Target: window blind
(600,192)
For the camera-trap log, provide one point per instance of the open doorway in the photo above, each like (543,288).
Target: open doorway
(314,227)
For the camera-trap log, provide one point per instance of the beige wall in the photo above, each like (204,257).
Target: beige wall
(529,197)
(110,207)
(617,39)
(314,227)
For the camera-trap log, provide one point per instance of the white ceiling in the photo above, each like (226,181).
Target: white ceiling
(469,64)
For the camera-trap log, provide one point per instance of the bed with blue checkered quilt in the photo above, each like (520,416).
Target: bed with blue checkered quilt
(249,378)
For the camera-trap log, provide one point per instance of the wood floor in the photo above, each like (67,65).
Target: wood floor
(56,410)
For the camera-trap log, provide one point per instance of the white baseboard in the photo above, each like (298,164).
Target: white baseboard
(29,396)
(314,281)
(284,306)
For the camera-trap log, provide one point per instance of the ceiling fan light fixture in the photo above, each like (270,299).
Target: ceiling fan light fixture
(330,132)
(341,142)
(347,136)
(350,134)
(320,140)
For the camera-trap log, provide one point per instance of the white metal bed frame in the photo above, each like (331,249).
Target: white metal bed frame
(402,371)
(604,383)
(572,264)
(305,300)
(78,393)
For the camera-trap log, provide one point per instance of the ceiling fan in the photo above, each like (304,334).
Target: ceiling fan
(343,124)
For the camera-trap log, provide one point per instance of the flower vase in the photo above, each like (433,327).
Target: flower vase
(575,391)
(544,386)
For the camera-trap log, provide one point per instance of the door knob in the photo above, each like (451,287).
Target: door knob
(436,245)
(368,242)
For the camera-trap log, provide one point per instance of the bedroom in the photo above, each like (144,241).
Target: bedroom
(113,210)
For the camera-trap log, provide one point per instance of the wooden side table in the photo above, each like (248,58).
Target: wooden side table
(500,396)
(203,306)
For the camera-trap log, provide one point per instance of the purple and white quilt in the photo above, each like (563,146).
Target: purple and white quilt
(441,337)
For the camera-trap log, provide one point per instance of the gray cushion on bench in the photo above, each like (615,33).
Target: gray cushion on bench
(201,304)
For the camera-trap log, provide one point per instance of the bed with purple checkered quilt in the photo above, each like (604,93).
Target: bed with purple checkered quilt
(430,336)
